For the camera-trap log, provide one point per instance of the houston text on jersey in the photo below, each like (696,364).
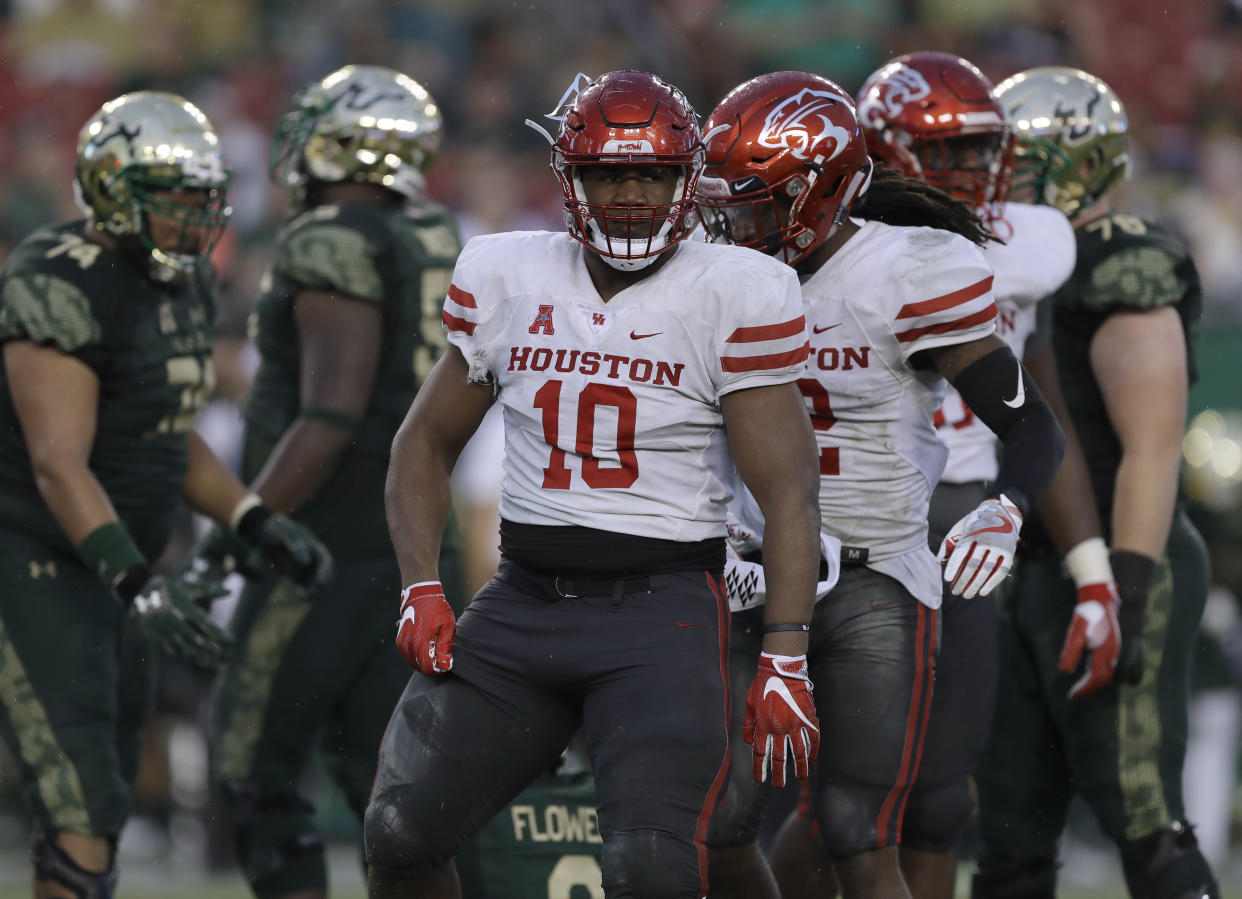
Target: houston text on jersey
(525,358)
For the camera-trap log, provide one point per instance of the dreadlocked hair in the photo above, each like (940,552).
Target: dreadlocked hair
(897,200)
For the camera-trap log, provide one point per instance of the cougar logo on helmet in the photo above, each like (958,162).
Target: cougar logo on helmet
(904,86)
(789,125)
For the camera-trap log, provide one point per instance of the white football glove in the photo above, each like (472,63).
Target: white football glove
(980,548)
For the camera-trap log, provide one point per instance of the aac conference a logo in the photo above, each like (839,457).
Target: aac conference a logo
(800,125)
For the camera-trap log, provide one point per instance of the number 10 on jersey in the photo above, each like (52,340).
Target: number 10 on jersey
(556,476)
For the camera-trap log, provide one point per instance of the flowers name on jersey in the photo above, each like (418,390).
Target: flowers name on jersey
(612,410)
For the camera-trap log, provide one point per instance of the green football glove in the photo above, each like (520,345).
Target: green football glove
(288,546)
(263,538)
(168,614)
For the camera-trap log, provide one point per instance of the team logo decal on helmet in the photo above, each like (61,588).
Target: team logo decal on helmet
(788,125)
(904,86)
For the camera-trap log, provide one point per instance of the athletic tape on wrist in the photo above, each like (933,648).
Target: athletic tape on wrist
(1088,563)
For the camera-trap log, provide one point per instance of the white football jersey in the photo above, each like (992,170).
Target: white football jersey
(1037,257)
(887,294)
(612,410)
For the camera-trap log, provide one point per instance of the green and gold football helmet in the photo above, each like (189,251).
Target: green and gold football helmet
(148,155)
(1071,133)
(360,123)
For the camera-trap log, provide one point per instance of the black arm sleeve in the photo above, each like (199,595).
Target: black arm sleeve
(1021,418)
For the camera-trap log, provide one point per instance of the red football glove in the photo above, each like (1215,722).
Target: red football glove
(780,718)
(427,627)
(1095,627)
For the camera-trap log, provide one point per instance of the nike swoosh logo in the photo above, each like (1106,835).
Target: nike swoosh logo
(1020,398)
(1005,527)
(777,686)
(818,330)
(636,336)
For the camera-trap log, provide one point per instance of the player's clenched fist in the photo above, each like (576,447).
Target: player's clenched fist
(1094,627)
(780,718)
(426,629)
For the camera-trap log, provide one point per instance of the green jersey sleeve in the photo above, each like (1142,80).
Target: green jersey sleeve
(49,311)
(1135,279)
(331,256)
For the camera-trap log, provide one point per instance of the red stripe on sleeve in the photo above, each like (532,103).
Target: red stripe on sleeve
(461,297)
(453,323)
(949,300)
(763,363)
(958,324)
(769,332)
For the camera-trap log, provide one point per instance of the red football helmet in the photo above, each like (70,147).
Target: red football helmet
(628,118)
(934,116)
(785,161)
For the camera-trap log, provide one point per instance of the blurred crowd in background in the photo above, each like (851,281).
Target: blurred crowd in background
(491,64)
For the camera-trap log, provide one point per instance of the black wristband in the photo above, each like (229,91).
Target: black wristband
(778,628)
(251,525)
(1133,572)
(130,583)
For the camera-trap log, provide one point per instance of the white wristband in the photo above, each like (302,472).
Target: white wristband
(248,502)
(1088,563)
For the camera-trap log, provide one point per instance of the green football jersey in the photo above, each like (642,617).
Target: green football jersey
(150,346)
(1125,264)
(544,845)
(402,261)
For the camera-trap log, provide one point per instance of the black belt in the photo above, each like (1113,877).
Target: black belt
(559,587)
(854,555)
(850,555)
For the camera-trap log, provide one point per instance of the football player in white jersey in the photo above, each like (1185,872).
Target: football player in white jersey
(935,117)
(898,297)
(619,353)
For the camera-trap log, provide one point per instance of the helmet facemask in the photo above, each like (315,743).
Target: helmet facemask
(976,168)
(749,213)
(628,238)
(197,225)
